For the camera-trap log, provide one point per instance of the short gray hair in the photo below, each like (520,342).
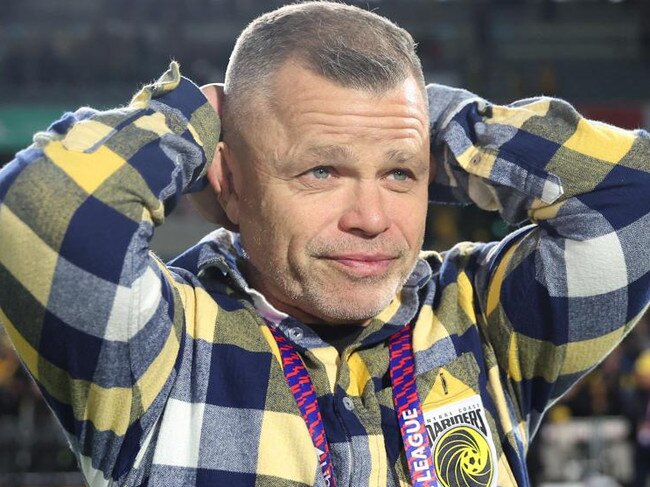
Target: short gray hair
(350,46)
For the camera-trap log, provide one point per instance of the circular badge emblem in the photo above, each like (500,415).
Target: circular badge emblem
(463,458)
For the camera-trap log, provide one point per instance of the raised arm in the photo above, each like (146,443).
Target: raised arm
(92,313)
(557,296)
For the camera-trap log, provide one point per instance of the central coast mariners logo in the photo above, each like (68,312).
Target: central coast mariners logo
(463,457)
(462,447)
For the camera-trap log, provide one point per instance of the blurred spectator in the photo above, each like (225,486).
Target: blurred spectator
(617,390)
(637,409)
(599,393)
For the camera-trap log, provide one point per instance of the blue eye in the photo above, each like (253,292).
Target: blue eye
(321,173)
(400,175)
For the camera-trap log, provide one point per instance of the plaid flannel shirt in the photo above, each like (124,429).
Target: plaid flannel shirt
(168,375)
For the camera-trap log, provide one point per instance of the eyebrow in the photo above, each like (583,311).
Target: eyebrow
(340,153)
(398,156)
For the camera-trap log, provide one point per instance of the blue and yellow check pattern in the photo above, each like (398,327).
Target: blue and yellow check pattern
(167,374)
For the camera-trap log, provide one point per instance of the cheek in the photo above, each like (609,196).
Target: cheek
(282,224)
(260,224)
(309,220)
(409,216)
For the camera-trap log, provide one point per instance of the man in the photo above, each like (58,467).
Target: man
(318,345)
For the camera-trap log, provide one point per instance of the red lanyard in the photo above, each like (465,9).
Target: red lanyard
(405,398)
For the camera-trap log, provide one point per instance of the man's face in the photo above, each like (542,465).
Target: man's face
(333,196)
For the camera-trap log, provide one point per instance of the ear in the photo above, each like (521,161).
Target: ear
(221,177)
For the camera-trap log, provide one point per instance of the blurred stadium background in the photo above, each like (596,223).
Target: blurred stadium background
(55,56)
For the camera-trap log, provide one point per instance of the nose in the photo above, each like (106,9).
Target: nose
(365,211)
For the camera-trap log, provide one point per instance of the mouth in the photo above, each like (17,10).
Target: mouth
(362,265)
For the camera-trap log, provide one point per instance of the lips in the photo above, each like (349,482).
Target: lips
(363,265)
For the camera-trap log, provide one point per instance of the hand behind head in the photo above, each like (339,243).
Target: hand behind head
(207,202)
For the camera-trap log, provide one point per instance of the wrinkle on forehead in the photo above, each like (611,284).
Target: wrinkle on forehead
(356,111)
(308,115)
(296,89)
(348,121)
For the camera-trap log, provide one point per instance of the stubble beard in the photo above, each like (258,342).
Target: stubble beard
(335,297)
(351,307)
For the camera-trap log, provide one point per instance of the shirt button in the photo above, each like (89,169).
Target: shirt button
(475,159)
(348,403)
(295,333)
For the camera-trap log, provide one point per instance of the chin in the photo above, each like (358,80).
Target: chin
(344,308)
(343,316)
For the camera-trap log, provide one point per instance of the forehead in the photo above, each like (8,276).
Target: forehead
(309,110)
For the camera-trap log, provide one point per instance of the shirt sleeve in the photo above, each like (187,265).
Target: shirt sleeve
(558,295)
(92,313)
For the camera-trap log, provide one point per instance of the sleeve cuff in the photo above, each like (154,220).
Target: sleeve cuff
(185,97)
